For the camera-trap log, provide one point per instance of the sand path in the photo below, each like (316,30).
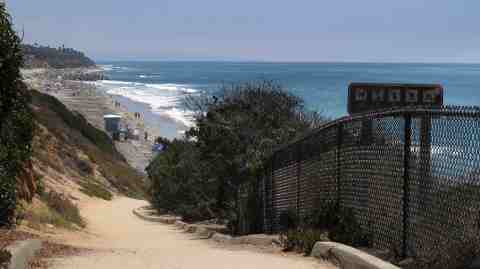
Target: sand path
(125,241)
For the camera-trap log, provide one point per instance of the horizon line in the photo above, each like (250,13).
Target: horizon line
(282,62)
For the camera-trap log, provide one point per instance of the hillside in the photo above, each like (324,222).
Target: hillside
(44,56)
(67,133)
(71,159)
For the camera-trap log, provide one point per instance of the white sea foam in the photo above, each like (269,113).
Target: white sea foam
(116,82)
(149,76)
(164,99)
(111,67)
(107,67)
(163,87)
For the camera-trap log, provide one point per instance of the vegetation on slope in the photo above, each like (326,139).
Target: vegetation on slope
(16,124)
(51,208)
(55,57)
(215,171)
(74,134)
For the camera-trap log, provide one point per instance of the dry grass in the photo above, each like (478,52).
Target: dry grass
(52,208)
(95,189)
(64,208)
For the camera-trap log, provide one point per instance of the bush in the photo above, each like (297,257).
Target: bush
(20,212)
(329,222)
(85,168)
(176,182)
(341,224)
(303,240)
(64,207)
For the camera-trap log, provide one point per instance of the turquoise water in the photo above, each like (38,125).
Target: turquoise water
(323,86)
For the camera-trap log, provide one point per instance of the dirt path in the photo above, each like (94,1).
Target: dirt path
(130,242)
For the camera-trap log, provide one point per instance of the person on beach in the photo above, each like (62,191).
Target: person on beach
(146,135)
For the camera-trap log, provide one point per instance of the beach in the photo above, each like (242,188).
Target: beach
(93,102)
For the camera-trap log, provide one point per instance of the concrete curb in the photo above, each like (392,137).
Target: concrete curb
(349,257)
(180,224)
(221,238)
(139,212)
(208,232)
(22,252)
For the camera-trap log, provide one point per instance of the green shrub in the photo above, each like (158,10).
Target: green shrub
(42,214)
(63,207)
(85,167)
(176,183)
(20,212)
(303,240)
(340,222)
(95,190)
(40,190)
(329,222)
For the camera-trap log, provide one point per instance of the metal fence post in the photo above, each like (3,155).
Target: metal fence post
(338,161)
(406,181)
(426,161)
(272,196)
(298,149)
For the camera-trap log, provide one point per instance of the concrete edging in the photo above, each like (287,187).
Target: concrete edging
(349,257)
(165,220)
(22,252)
(208,233)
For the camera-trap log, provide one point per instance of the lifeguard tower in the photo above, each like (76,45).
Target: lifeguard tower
(112,125)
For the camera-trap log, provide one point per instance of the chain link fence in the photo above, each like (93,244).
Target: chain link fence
(411,176)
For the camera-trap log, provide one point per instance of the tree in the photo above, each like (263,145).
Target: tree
(237,132)
(177,185)
(215,170)
(16,124)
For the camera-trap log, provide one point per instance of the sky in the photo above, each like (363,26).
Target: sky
(257,30)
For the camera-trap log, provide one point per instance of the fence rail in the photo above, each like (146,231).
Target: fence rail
(411,177)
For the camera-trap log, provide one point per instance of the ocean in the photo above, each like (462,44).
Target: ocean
(162,86)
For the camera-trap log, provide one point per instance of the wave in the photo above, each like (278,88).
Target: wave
(111,67)
(106,67)
(163,99)
(185,117)
(149,76)
(166,86)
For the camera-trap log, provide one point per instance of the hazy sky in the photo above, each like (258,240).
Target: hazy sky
(267,30)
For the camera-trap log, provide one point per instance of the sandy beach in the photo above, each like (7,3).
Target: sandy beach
(93,103)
